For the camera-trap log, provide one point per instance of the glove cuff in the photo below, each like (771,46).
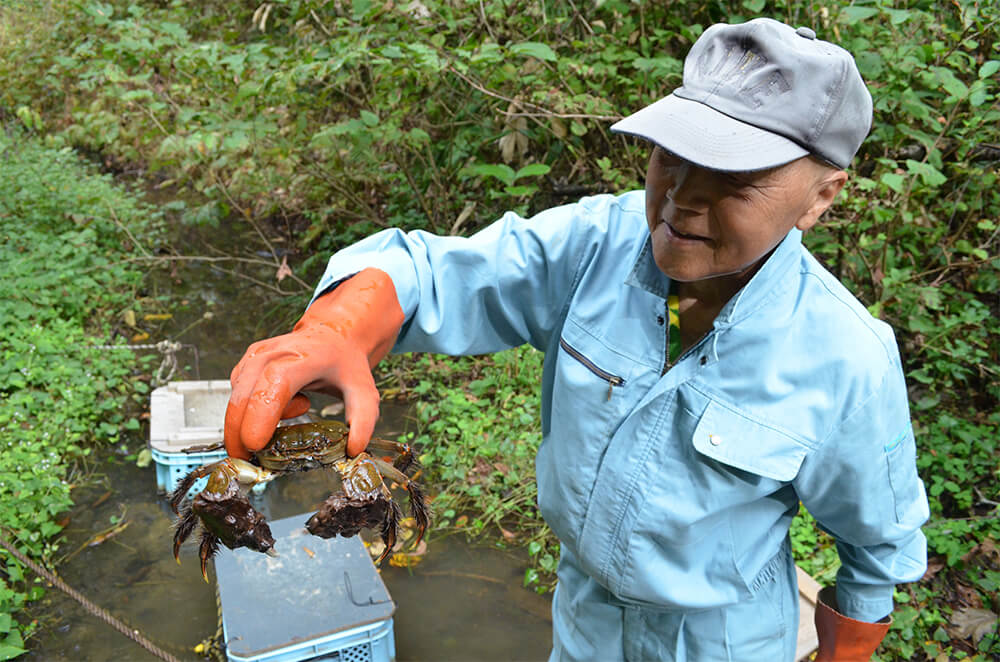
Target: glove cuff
(844,639)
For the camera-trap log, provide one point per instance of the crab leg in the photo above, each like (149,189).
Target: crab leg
(185,525)
(389,530)
(209,547)
(418,504)
(177,496)
(405,459)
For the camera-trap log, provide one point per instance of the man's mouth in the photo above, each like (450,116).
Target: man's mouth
(684,235)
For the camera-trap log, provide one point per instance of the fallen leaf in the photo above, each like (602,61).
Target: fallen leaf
(144,458)
(101,499)
(973,622)
(130,317)
(967,595)
(375,548)
(283,270)
(934,566)
(509,536)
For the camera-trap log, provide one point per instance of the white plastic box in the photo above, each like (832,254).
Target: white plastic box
(184,414)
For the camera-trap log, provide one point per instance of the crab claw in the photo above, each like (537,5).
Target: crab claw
(185,525)
(209,546)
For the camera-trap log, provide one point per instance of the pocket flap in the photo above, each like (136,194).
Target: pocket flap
(737,441)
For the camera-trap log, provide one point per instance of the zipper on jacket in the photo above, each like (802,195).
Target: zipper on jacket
(612,380)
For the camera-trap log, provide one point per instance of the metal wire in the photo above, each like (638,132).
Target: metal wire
(168,364)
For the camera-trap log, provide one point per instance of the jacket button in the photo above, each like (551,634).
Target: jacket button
(714,439)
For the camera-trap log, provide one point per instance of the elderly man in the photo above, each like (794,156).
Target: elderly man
(704,374)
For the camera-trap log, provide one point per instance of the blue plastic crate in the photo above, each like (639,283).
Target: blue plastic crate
(369,643)
(172,467)
(317,600)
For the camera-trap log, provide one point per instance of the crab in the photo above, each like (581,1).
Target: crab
(227,517)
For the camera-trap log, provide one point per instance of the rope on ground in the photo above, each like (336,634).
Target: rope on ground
(214,647)
(134,635)
(168,364)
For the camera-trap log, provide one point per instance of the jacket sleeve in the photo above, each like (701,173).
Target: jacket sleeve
(506,285)
(862,487)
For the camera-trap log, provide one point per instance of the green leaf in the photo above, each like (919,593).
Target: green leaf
(930,175)
(248,89)
(369,118)
(502,172)
(6,621)
(520,190)
(989,68)
(533,170)
(855,14)
(893,181)
(8,652)
(951,84)
(898,16)
(534,49)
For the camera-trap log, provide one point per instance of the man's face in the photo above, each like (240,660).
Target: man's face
(708,224)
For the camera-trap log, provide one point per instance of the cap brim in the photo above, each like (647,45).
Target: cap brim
(704,136)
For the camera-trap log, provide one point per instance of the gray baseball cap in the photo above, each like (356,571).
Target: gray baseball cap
(757,95)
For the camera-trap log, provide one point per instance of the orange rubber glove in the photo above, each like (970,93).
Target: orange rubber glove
(332,349)
(843,639)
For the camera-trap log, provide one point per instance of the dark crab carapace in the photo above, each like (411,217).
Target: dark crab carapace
(365,502)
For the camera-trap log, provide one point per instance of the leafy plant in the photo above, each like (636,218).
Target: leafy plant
(65,283)
(478,429)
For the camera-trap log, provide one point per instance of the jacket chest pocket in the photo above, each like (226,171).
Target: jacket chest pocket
(743,443)
(590,378)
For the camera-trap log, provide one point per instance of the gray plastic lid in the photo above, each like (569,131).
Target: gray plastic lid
(314,589)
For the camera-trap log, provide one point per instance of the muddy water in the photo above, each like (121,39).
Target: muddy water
(463,602)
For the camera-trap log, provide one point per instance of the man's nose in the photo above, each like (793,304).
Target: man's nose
(691,190)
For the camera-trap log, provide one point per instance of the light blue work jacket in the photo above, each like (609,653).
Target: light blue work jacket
(672,487)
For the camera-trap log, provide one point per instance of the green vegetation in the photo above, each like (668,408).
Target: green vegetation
(338,118)
(478,430)
(64,281)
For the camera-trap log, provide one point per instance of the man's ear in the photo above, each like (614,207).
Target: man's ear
(827,185)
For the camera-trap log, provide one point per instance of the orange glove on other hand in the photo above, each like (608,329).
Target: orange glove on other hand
(843,639)
(332,349)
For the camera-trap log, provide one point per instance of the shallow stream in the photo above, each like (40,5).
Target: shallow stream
(463,602)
